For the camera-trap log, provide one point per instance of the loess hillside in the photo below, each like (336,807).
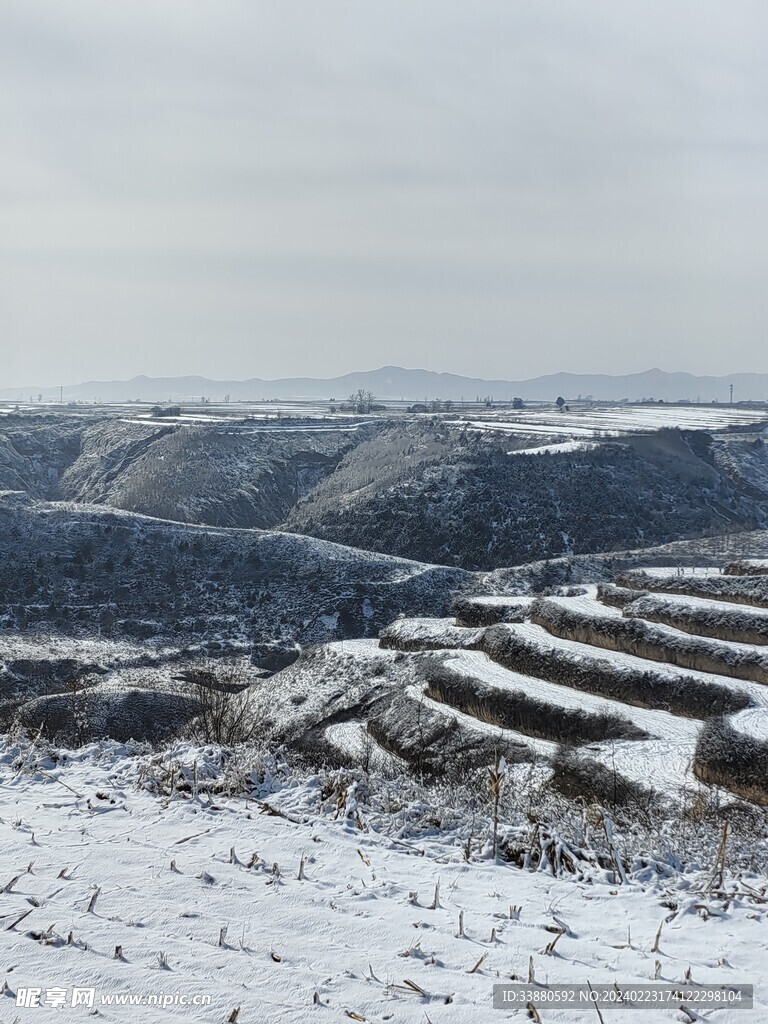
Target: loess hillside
(88,570)
(478,495)
(449,495)
(228,473)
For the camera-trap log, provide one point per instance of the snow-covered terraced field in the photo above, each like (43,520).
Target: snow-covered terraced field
(574,657)
(711,605)
(49,664)
(352,738)
(55,646)
(542,747)
(625,678)
(663,572)
(663,761)
(716,619)
(752,722)
(622,662)
(499,601)
(591,622)
(559,448)
(478,665)
(744,590)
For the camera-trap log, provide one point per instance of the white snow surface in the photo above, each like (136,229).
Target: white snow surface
(352,738)
(331,923)
(710,604)
(559,448)
(500,600)
(613,421)
(433,632)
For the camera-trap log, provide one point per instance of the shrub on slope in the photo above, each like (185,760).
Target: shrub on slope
(86,570)
(218,474)
(747,567)
(729,758)
(616,597)
(429,635)
(445,495)
(580,778)
(479,611)
(432,740)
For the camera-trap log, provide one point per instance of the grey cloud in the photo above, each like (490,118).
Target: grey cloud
(268,188)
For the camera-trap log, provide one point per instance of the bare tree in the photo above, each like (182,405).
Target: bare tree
(361,400)
(227,714)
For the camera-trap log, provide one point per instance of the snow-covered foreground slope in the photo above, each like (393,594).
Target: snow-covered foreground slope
(324,911)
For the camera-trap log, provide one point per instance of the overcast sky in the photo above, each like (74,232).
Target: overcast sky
(239,188)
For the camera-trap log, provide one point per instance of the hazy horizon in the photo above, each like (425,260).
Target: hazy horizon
(252,190)
(371,369)
(75,388)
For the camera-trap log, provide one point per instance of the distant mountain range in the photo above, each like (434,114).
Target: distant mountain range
(394,382)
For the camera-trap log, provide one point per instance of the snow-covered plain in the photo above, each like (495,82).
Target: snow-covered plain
(614,421)
(323,911)
(274,424)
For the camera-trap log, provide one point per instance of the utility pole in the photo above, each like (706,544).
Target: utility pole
(61,395)
(731,394)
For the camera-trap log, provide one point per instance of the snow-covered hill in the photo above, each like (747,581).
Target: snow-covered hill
(82,570)
(488,493)
(441,489)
